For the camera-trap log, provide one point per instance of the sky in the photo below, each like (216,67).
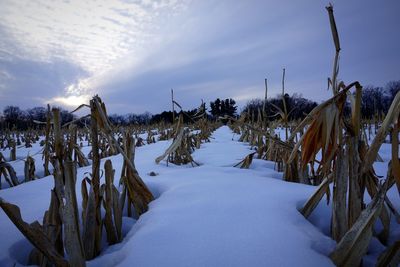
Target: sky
(133,52)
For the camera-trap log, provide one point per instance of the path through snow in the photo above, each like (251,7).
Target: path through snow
(217,215)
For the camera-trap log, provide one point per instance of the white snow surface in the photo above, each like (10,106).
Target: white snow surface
(211,215)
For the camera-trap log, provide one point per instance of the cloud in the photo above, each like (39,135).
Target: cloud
(132,53)
(92,36)
(204,58)
(28,83)
(227,50)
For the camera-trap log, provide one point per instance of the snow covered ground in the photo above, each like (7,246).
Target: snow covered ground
(211,215)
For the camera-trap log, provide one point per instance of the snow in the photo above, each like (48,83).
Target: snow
(211,215)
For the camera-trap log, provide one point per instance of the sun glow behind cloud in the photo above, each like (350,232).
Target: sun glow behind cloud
(71,101)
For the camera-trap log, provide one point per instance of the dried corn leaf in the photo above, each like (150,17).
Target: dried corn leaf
(335,33)
(314,200)
(390,257)
(354,243)
(321,134)
(34,233)
(372,152)
(314,113)
(173,147)
(80,106)
(6,169)
(395,155)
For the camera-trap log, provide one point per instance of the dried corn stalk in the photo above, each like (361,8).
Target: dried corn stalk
(246,162)
(8,172)
(352,247)
(339,205)
(150,137)
(92,223)
(29,169)
(326,133)
(72,235)
(47,149)
(78,155)
(130,177)
(65,179)
(99,112)
(13,151)
(113,217)
(179,151)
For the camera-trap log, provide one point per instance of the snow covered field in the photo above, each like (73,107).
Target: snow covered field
(211,215)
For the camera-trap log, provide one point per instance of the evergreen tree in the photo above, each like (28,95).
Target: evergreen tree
(215,107)
(225,107)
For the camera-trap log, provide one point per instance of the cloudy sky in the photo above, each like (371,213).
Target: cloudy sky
(132,52)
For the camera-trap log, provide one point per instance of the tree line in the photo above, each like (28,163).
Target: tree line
(15,118)
(375,101)
(296,106)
